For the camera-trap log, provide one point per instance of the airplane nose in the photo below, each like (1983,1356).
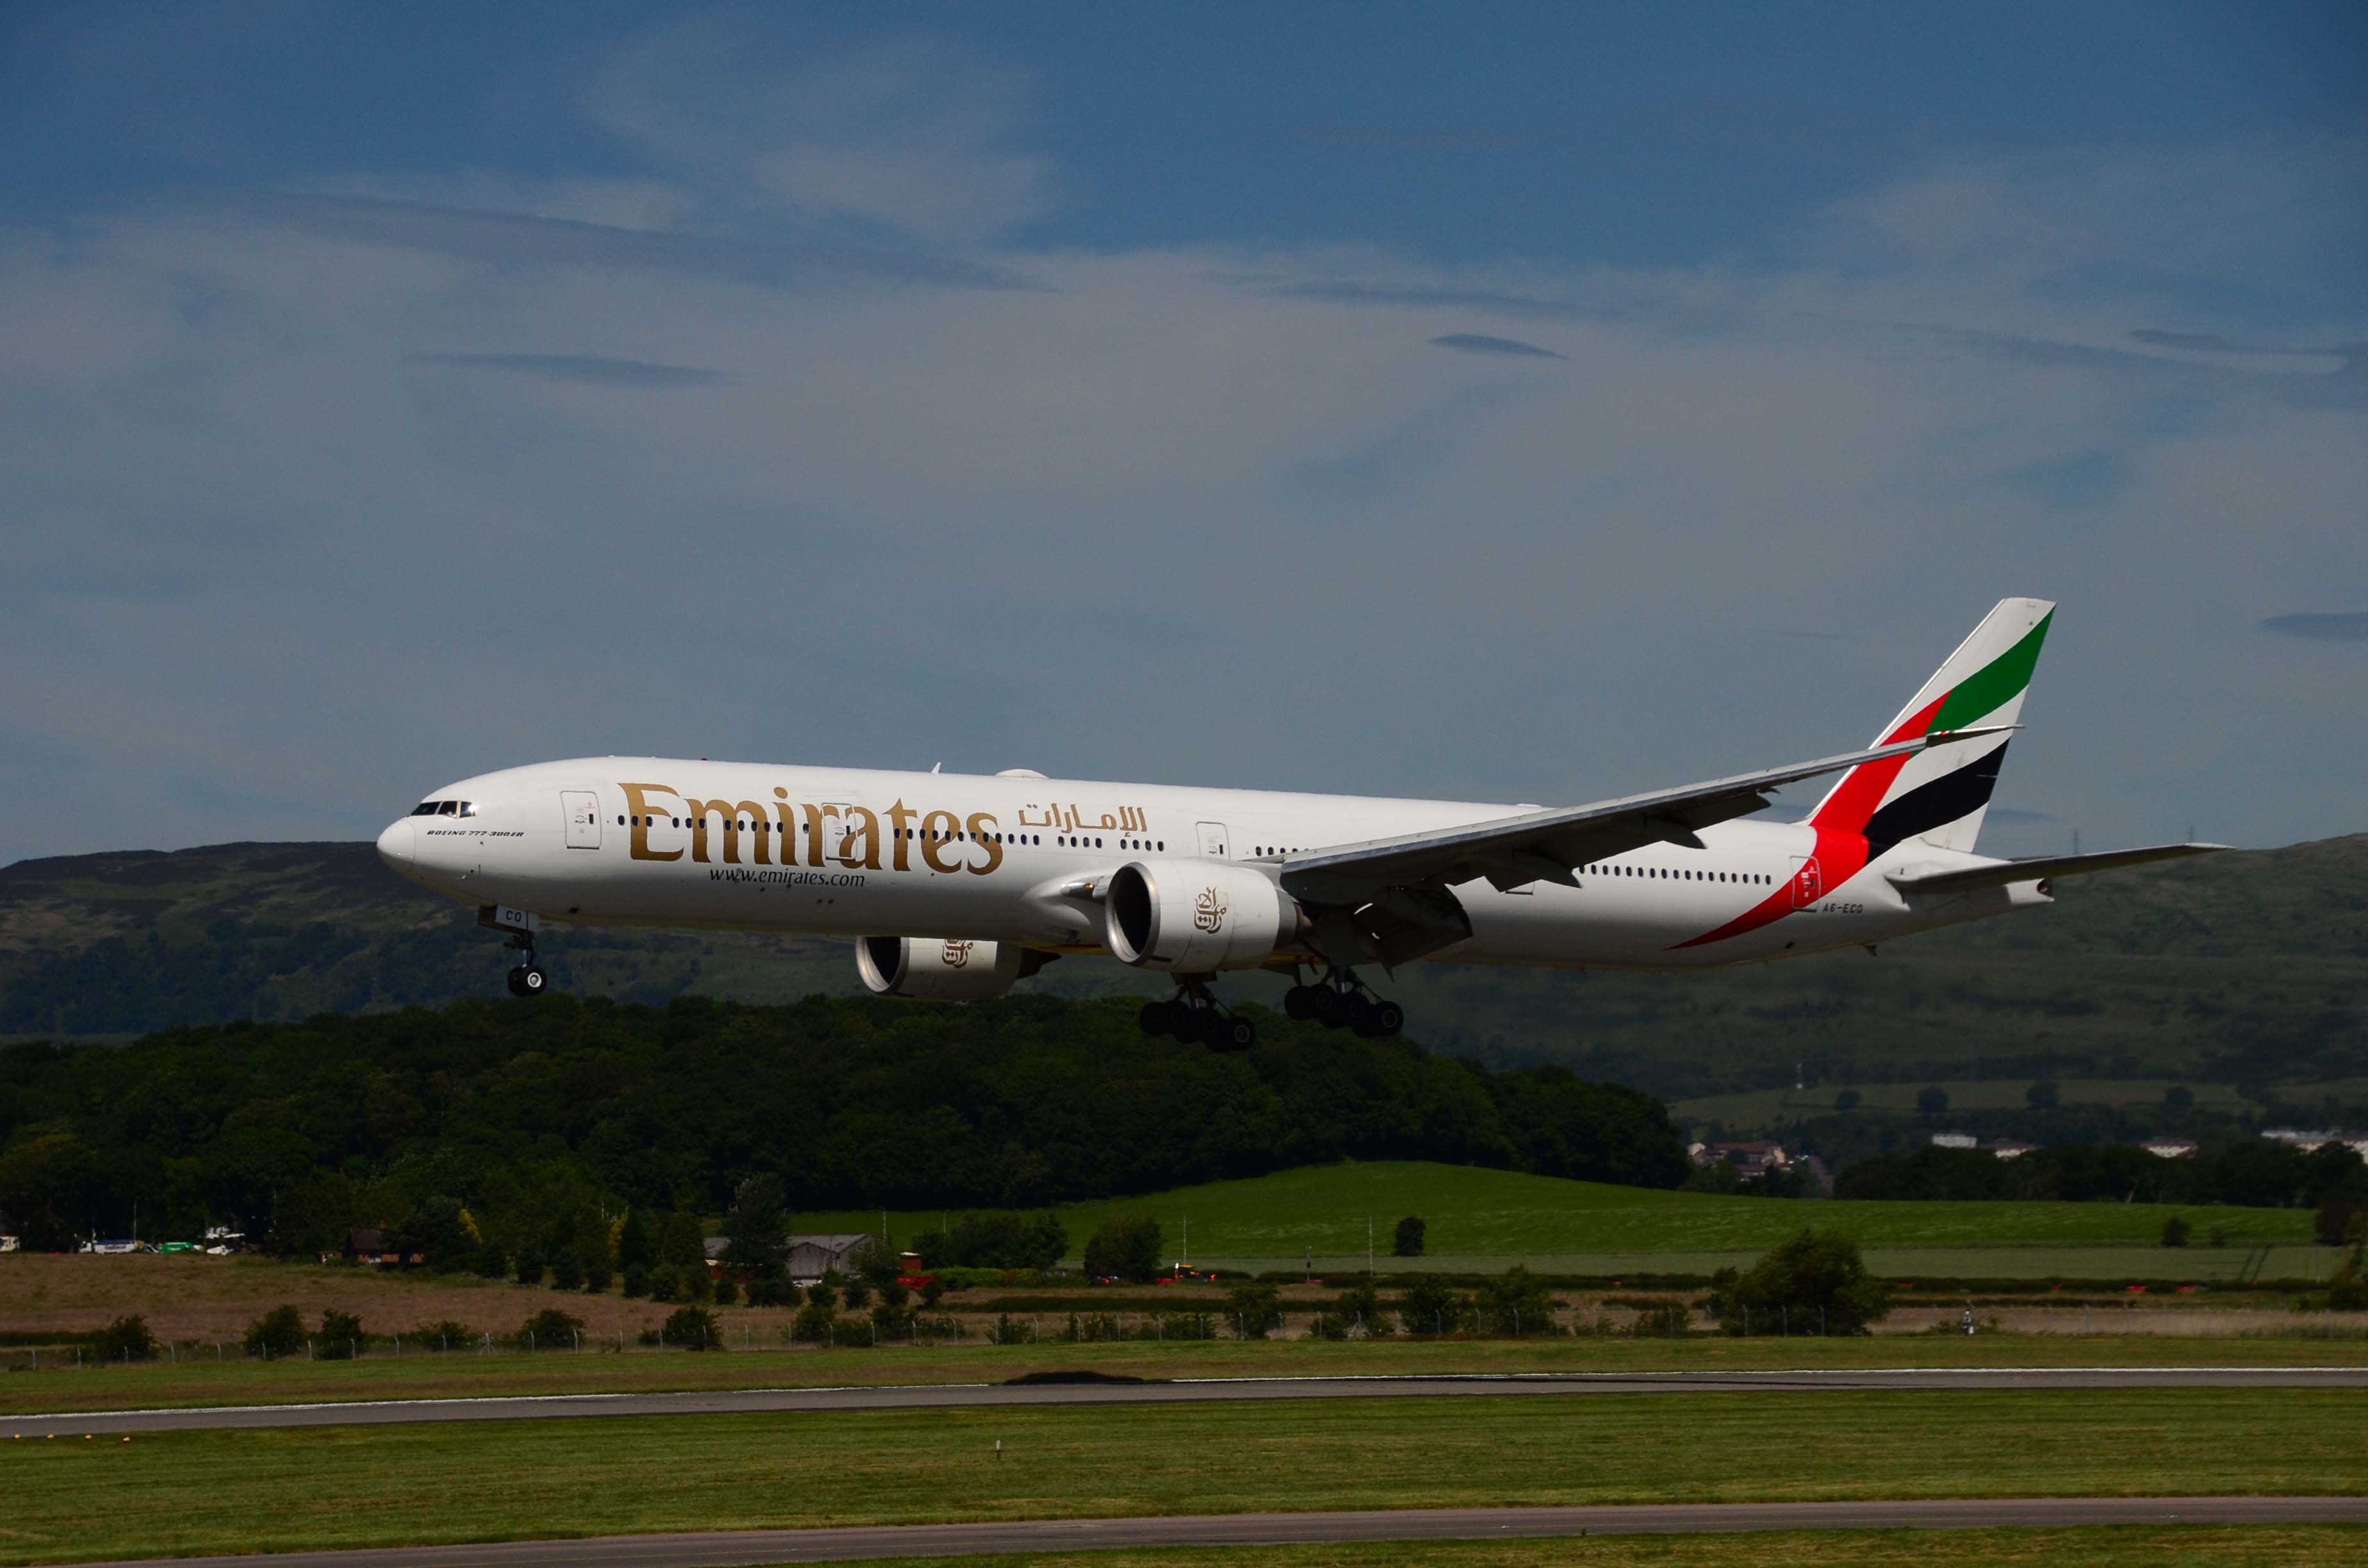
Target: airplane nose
(397,845)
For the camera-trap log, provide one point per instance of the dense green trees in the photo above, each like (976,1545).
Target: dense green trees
(995,1241)
(541,1122)
(2256,1173)
(1126,1248)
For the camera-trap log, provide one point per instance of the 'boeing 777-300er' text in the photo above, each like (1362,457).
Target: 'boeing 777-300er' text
(955,886)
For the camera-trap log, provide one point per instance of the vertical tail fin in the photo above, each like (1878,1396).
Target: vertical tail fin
(1940,796)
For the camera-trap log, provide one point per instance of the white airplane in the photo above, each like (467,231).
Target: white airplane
(956,886)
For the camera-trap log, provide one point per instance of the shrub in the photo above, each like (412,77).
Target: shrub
(1515,1302)
(824,1292)
(1430,1305)
(855,1293)
(531,1268)
(1661,1320)
(693,1328)
(1361,1304)
(932,1291)
(566,1270)
(811,1325)
(491,1263)
(727,1291)
(280,1332)
(125,1339)
(636,1282)
(1126,1248)
(1255,1311)
(2337,1224)
(2175,1232)
(341,1336)
(1407,1241)
(1329,1326)
(549,1328)
(1813,1283)
(446,1334)
(637,1252)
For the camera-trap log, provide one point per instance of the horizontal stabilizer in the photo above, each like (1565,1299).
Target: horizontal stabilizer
(2007,872)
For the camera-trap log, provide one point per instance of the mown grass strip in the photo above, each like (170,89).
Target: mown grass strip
(248,1491)
(160,1386)
(2208,1546)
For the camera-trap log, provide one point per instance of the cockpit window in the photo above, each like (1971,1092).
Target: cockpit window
(425,808)
(448,808)
(445,809)
(468,808)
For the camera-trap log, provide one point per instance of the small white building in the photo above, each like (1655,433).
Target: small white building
(1955,1141)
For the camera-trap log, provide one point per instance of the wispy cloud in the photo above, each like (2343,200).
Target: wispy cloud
(581,369)
(1481,343)
(2350,626)
(517,239)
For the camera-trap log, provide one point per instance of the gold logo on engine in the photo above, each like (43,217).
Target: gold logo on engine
(1208,912)
(957,954)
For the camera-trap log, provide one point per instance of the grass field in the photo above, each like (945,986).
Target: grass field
(2310,1546)
(1500,1214)
(259,1490)
(158,1384)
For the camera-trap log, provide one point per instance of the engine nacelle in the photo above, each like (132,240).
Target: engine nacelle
(934,969)
(1195,917)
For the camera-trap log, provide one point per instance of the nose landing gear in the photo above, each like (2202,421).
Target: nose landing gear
(1339,1000)
(1194,1015)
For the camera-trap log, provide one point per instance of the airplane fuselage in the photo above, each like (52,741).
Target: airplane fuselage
(1020,860)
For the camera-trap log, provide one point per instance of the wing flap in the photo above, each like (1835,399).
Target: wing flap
(2006,873)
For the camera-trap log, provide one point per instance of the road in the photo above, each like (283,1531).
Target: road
(921,1396)
(726,1549)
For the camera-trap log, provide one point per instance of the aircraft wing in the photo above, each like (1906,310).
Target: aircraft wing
(2007,872)
(1513,852)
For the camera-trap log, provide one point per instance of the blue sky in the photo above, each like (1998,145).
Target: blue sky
(1506,402)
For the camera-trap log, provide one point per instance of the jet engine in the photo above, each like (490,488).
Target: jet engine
(1196,917)
(931,968)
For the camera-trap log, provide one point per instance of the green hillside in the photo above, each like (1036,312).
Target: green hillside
(2247,971)
(1472,1212)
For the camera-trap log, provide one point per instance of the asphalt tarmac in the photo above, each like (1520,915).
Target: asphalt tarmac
(727,1549)
(922,1396)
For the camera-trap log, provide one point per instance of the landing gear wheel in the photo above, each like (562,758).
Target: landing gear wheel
(529,979)
(1300,1003)
(1170,1018)
(1388,1019)
(1224,1032)
(1329,1007)
(1363,1022)
(1152,1018)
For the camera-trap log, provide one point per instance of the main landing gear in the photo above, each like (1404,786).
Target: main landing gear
(527,979)
(1339,1000)
(1194,1015)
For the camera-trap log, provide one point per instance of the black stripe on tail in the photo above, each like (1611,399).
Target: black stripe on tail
(1958,793)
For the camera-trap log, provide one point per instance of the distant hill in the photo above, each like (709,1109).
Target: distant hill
(2247,969)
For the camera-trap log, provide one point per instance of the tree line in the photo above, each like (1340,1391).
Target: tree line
(491,1128)
(2254,1173)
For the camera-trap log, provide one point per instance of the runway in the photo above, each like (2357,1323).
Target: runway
(728,1549)
(926,1396)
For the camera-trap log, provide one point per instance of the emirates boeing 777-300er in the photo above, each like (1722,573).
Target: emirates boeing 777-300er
(954,886)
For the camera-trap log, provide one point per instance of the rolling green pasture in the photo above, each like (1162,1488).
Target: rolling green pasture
(1504,1216)
(2206,1546)
(289,1490)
